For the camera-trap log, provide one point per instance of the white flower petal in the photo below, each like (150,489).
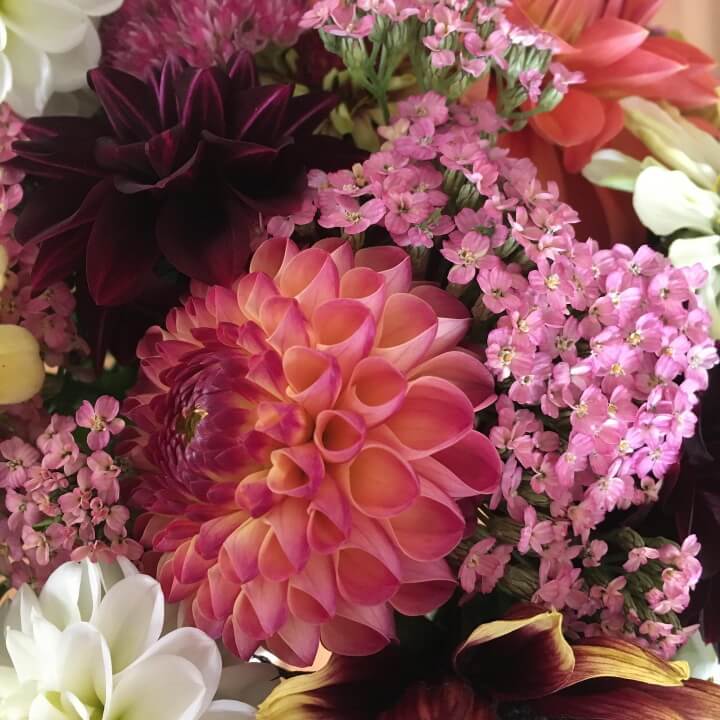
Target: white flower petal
(9,682)
(613,169)
(46,25)
(23,654)
(69,69)
(667,200)
(194,646)
(702,658)
(42,709)
(3,34)
(31,77)
(687,251)
(130,617)
(229,710)
(97,8)
(6,76)
(161,687)
(84,667)
(59,597)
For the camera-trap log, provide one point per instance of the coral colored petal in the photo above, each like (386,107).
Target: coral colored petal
(273,256)
(393,263)
(453,317)
(273,562)
(358,630)
(312,594)
(380,483)
(237,641)
(340,251)
(346,330)
(288,520)
(463,370)
(284,322)
(434,416)
(222,593)
(474,461)
(339,435)
(363,579)
(425,587)
(313,377)
(242,547)
(606,41)
(406,331)
(252,291)
(575,158)
(329,518)
(560,126)
(214,532)
(269,599)
(296,471)
(430,528)
(365,286)
(375,390)
(296,643)
(312,278)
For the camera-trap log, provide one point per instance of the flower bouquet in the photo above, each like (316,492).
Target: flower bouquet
(357,361)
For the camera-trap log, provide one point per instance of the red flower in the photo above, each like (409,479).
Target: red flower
(180,167)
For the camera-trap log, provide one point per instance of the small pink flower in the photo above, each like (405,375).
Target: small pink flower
(19,458)
(102,420)
(340,211)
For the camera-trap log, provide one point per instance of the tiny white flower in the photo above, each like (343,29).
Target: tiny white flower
(667,201)
(89,647)
(47,46)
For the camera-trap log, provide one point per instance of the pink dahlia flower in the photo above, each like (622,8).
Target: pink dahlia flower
(303,442)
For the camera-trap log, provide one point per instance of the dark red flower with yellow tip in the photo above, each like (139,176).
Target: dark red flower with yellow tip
(518,667)
(178,168)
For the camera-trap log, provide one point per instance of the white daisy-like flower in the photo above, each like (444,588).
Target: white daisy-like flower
(47,46)
(89,647)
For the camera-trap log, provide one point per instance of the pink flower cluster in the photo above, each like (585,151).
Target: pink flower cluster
(599,356)
(60,503)
(48,316)
(142,33)
(466,36)
(11,192)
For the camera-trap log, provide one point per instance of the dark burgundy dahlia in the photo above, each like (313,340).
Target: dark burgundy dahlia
(180,168)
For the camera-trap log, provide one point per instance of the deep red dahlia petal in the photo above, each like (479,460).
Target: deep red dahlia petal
(111,155)
(259,113)
(306,112)
(208,240)
(129,102)
(242,71)
(164,83)
(121,250)
(59,257)
(204,102)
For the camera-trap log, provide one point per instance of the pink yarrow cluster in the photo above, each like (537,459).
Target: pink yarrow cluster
(600,355)
(455,39)
(11,192)
(60,503)
(140,35)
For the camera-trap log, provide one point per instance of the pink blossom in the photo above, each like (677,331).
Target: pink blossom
(101,419)
(346,212)
(19,457)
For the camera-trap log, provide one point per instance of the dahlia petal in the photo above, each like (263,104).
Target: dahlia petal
(430,528)
(375,391)
(266,372)
(329,521)
(121,250)
(312,593)
(434,416)
(245,617)
(203,101)
(253,494)
(270,602)
(222,223)
(240,551)
(288,520)
(285,422)
(406,331)
(222,592)
(129,156)
(259,113)
(242,70)
(252,291)
(164,82)
(284,323)
(237,641)
(129,103)
(380,499)
(463,370)
(312,278)
(393,263)
(203,614)
(188,566)
(358,630)
(365,286)
(577,157)
(340,251)
(313,377)
(474,462)
(425,587)
(607,40)
(560,126)
(339,435)
(306,112)
(346,330)
(273,256)
(174,534)
(213,533)
(453,317)
(59,257)
(297,642)
(632,73)
(273,561)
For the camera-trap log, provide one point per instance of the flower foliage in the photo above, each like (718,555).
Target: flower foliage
(179,167)
(304,441)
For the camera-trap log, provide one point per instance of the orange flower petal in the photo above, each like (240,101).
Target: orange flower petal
(561,126)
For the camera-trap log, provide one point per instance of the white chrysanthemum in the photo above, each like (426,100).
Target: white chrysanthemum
(47,46)
(88,648)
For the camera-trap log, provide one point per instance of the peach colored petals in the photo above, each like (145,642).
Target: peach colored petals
(305,438)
